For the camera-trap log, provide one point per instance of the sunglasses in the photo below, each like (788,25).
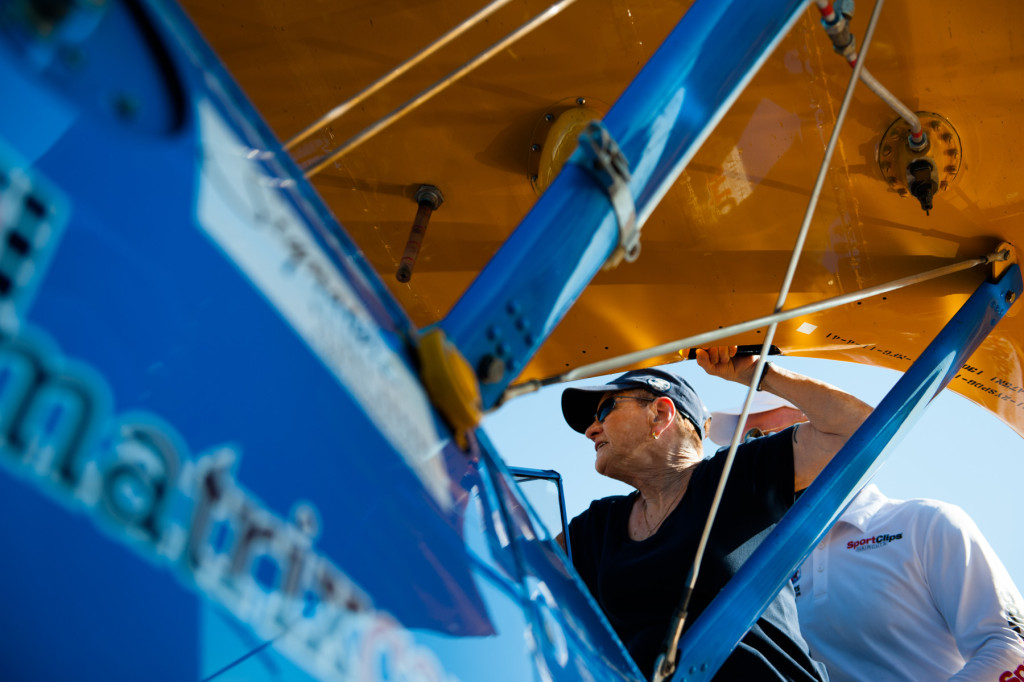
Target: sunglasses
(607,406)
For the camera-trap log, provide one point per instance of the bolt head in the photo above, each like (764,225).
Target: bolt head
(72,57)
(491,369)
(429,194)
(126,106)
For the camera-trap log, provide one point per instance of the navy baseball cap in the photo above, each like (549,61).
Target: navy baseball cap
(580,404)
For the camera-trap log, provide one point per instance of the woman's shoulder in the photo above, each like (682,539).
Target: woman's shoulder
(778,443)
(601,509)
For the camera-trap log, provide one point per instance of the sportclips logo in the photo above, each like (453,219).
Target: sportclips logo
(873,542)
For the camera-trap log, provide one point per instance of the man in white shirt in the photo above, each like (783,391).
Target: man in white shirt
(903,590)
(909,590)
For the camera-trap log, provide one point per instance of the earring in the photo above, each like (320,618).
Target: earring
(655,434)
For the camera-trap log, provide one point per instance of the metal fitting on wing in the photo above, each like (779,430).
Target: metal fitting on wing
(429,199)
(837,25)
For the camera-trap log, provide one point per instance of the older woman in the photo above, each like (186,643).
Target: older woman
(634,551)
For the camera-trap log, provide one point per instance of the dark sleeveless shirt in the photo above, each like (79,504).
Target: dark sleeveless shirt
(638,584)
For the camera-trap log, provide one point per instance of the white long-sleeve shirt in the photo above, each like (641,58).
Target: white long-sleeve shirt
(909,590)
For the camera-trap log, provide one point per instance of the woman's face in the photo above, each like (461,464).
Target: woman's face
(626,424)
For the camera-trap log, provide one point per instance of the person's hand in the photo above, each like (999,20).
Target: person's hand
(721,361)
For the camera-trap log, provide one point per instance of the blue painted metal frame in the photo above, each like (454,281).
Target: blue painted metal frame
(556,478)
(176,355)
(200,476)
(659,123)
(712,637)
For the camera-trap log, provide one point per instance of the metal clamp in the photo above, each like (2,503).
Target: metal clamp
(605,161)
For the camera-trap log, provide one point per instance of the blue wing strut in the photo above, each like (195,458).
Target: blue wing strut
(721,626)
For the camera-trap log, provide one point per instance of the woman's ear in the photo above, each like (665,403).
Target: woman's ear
(664,409)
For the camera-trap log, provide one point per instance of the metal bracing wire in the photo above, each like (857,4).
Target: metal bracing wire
(707,338)
(343,108)
(837,26)
(667,661)
(323,162)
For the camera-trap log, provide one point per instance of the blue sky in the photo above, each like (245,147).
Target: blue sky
(957,451)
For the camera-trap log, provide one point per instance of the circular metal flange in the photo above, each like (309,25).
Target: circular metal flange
(943,150)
